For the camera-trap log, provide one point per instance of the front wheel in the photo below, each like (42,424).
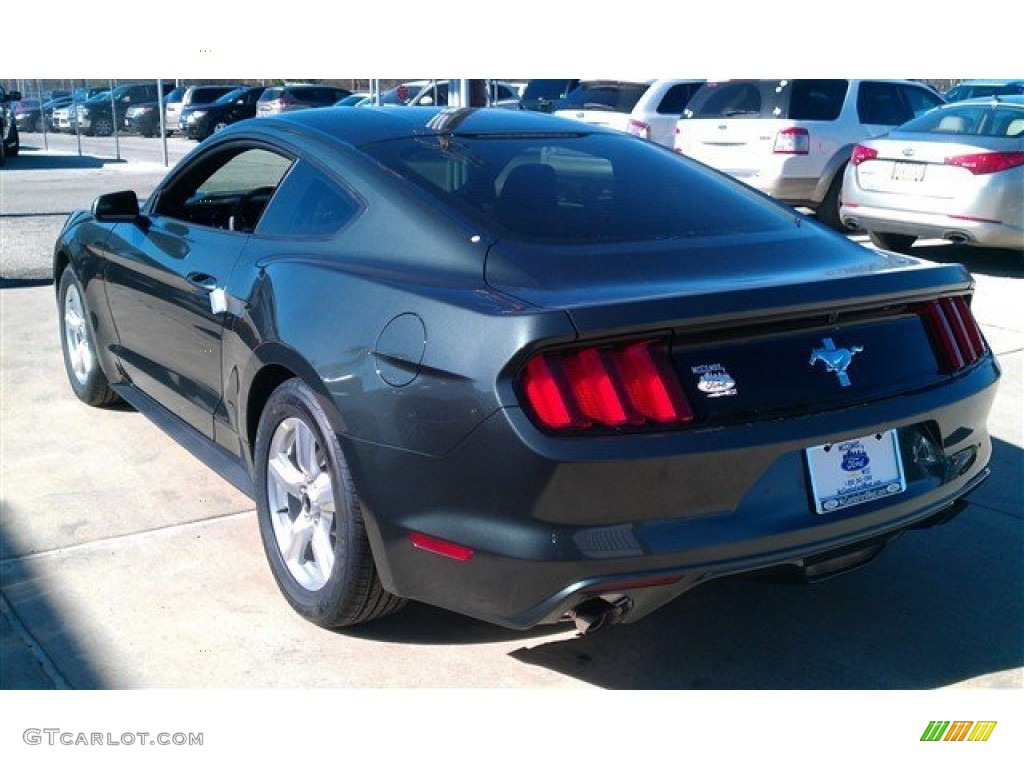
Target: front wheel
(78,345)
(310,517)
(890,241)
(103,126)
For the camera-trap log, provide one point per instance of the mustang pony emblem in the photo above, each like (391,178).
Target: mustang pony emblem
(836,360)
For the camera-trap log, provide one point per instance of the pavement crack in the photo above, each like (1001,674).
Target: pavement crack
(146,533)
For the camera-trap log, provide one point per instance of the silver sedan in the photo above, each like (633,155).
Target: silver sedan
(956,172)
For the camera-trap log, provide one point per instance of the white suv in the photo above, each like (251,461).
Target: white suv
(647,109)
(792,138)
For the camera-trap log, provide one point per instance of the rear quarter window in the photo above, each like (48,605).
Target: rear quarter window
(308,204)
(817,99)
(676,98)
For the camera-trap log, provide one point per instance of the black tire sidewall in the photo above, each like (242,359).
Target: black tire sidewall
(330,605)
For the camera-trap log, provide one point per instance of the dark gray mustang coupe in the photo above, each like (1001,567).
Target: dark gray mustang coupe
(523,368)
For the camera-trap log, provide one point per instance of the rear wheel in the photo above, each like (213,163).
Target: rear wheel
(78,345)
(310,517)
(890,241)
(828,211)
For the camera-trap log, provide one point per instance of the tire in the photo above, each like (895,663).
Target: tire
(78,345)
(15,146)
(890,241)
(310,517)
(828,212)
(102,126)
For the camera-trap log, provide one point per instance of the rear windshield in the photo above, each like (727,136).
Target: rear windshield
(767,99)
(576,188)
(547,89)
(610,97)
(972,120)
(325,96)
(230,96)
(271,93)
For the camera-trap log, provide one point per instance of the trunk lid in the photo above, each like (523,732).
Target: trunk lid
(758,325)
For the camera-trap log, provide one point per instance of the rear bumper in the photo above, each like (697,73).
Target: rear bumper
(935,225)
(552,522)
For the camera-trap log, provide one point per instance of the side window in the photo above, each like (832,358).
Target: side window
(920,101)
(676,98)
(310,204)
(880,104)
(817,99)
(226,191)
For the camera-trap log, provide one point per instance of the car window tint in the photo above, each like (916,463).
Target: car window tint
(228,190)
(309,204)
(718,100)
(614,97)
(676,98)
(817,99)
(972,120)
(546,89)
(920,100)
(880,104)
(579,188)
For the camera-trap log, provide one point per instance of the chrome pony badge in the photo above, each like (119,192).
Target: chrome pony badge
(836,360)
(715,381)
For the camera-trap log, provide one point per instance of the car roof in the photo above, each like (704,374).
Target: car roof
(371,124)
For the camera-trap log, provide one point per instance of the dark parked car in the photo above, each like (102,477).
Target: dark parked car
(28,115)
(96,117)
(200,121)
(10,143)
(669,377)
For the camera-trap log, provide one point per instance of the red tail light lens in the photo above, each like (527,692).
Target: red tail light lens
(792,141)
(639,128)
(862,153)
(987,162)
(954,332)
(629,386)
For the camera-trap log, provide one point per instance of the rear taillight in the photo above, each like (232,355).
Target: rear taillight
(639,128)
(862,153)
(954,332)
(792,141)
(987,162)
(630,386)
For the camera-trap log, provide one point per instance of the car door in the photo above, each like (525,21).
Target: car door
(165,275)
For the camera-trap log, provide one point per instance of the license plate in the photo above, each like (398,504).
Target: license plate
(908,172)
(851,472)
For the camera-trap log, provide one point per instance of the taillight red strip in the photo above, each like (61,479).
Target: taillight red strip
(630,385)
(987,162)
(953,327)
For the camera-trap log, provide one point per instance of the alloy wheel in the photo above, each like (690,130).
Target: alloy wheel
(300,497)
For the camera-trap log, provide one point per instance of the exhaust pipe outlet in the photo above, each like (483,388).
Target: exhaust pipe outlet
(851,223)
(957,237)
(599,613)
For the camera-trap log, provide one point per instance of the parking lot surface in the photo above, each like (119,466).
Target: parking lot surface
(125,563)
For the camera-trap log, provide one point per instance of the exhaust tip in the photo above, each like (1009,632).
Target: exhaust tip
(957,237)
(599,613)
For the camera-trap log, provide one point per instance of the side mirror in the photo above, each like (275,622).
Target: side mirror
(116,206)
